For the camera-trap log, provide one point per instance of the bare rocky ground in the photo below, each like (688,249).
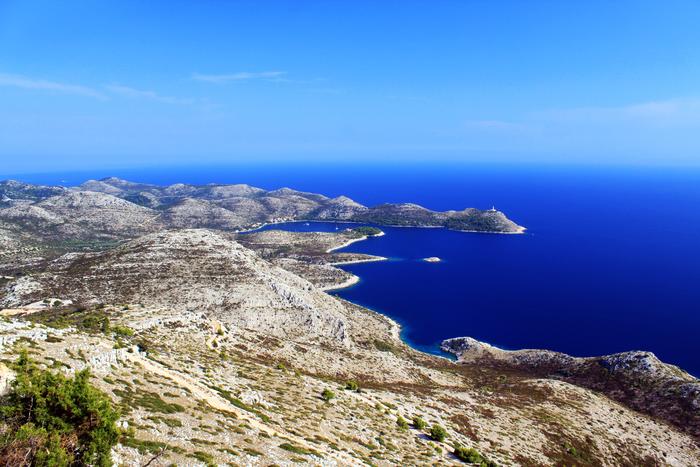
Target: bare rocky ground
(309,254)
(637,379)
(219,347)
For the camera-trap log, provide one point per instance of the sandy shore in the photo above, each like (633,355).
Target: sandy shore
(350,282)
(354,279)
(521,230)
(358,261)
(354,240)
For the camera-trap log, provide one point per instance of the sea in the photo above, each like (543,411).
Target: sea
(610,261)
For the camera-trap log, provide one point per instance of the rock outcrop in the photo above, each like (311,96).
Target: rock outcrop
(191,270)
(637,379)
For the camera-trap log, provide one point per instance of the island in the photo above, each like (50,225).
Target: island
(114,209)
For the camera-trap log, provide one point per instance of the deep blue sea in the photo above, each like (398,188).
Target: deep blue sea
(610,261)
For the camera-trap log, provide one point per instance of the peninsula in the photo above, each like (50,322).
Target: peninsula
(116,209)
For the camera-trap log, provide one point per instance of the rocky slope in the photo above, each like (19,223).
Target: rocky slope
(78,215)
(637,379)
(188,270)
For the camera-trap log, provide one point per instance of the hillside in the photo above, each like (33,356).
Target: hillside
(229,207)
(217,354)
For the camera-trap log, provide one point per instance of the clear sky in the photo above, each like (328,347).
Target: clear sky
(94,83)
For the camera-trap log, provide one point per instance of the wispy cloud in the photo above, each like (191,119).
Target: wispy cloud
(19,81)
(645,116)
(102,93)
(493,125)
(665,112)
(240,76)
(327,91)
(662,128)
(132,93)
(407,98)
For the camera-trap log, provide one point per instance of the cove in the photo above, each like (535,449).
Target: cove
(514,292)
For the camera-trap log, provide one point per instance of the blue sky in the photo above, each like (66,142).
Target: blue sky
(90,84)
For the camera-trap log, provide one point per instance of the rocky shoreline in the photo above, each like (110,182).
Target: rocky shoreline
(665,388)
(635,378)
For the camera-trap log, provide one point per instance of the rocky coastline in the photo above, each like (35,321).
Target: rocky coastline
(635,378)
(218,345)
(115,209)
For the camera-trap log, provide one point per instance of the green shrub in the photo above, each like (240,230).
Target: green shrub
(78,316)
(123,331)
(106,326)
(327,395)
(298,450)
(438,433)
(401,422)
(240,404)
(352,386)
(171,422)
(150,401)
(204,457)
(147,446)
(419,423)
(383,346)
(48,419)
(472,456)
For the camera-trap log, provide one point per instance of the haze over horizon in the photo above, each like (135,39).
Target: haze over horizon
(86,85)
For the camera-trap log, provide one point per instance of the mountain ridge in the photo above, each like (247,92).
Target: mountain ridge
(253,206)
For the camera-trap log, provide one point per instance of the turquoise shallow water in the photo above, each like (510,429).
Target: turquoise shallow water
(610,262)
